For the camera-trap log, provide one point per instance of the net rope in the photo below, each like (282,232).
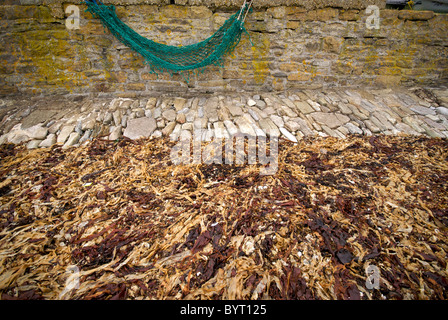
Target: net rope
(175,59)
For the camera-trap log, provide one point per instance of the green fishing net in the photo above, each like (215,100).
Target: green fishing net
(174,59)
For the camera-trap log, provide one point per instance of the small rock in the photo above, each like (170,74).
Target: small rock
(251,103)
(72,140)
(139,113)
(292,126)
(352,128)
(288,135)
(124,121)
(278,121)
(37,132)
(108,118)
(33,144)
(151,103)
(181,118)
(140,128)
(169,128)
(443,111)
(116,133)
(157,112)
(156,134)
(169,115)
(49,141)
(117,117)
(88,124)
(86,135)
(65,133)
(160,123)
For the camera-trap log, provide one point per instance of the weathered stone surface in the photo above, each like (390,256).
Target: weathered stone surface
(277,120)
(169,128)
(169,115)
(116,133)
(288,135)
(33,144)
(140,128)
(422,110)
(37,132)
(231,128)
(181,118)
(332,120)
(49,141)
(402,127)
(442,111)
(65,133)
(269,127)
(304,107)
(353,129)
(235,110)
(72,140)
(245,126)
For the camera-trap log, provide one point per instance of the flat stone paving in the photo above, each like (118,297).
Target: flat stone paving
(42,122)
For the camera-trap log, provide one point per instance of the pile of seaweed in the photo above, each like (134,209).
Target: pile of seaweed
(118,220)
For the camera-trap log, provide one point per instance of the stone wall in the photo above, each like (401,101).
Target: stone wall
(297,44)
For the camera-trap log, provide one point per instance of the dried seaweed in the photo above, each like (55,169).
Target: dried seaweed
(138,227)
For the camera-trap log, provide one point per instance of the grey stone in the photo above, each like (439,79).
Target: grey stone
(179,103)
(169,115)
(244,126)
(33,144)
(434,133)
(139,113)
(169,128)
(176,132)
(292,126)
(235,110)
(287,111)
(55,127)
(251,103)
(353,128)
(402,127)
(72,140)
(277,120)
(86,135)
(220,131)
(49,141)
(413,123)
(314,105)
(303,126)
(443,111)
(181,118)
(157,113)
(344,108)
(253,114)
(261,104)
(37,132)
(156,134)
(187,126)
(372,127)
(65,133)
(88,124)
(304,107)
(116,133)
(332,120)
(231,128)
(140,128)
(108,118)
(288,135)
(269,127)
(422,110)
